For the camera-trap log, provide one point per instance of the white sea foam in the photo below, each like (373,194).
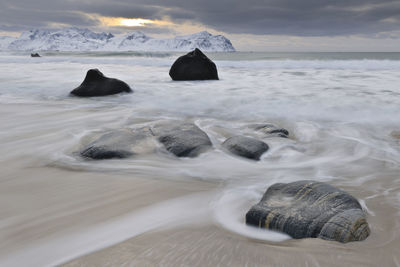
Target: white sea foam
(339,113)
(349,90)
(230,210)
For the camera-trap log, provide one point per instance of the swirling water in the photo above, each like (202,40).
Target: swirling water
(340,109)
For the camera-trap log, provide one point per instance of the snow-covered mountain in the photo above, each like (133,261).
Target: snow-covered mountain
(75,39)
(71,39)
(5,41)
(138,41)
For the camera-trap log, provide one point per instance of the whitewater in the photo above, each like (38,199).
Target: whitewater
(341,110)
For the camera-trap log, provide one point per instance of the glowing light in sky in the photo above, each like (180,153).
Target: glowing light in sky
(131,22)
(135,22)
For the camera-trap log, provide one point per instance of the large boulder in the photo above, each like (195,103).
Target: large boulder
(246,147)
(310,209)
(182,139)
(119,144)
(193,66)
(96,84)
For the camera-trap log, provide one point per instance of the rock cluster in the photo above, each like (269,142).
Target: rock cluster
(300,209)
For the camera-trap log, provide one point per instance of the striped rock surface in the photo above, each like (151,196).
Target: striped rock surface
(310,209)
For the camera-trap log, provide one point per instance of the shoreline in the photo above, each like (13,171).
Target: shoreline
(64,220)
(157,209)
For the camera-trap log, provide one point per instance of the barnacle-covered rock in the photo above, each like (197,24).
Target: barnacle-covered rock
(310,209)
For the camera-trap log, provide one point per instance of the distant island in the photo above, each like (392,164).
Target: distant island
(76,39)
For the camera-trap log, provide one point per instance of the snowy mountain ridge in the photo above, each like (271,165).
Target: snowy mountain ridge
(76,39)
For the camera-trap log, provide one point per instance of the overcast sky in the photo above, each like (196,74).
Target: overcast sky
(313,25)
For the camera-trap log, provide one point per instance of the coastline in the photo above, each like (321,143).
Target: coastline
(209,244)
(64,213)
(57,208)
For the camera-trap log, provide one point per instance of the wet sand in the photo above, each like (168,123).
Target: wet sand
(211,245)
(147,211)
(159,210)
(48,214)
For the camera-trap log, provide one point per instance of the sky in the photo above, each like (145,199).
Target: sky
(251,25)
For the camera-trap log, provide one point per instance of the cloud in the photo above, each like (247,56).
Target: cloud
(260,17)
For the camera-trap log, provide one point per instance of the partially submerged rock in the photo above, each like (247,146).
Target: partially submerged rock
(271,130)
(182,139)
(119,144)
(244,146)
(35,55)
(395,134)
(96,84)
(193,66)
(310,209)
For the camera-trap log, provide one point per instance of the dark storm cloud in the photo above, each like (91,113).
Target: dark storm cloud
(285,17)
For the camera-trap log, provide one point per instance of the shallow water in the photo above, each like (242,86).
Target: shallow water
(340,109)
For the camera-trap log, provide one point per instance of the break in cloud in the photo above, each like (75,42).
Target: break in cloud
(375,19)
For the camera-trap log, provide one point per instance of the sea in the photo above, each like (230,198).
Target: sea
(153,209)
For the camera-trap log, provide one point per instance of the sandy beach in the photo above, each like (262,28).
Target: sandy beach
(154,209)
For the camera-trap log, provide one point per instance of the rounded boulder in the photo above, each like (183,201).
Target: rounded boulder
(193,66)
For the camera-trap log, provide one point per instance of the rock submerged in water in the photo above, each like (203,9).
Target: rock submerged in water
(271,130)
(96,84)
(193,66)
(395,134)
(306,209)
(246,147)
(119,144)
(182,139)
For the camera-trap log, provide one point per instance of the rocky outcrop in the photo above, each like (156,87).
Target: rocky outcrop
(193,66)
(310,209)
(96,84)
(182,139)
(119,144)
(246,147)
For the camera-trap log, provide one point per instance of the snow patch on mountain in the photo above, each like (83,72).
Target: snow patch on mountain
(5,41)
(71,39)
(75,39)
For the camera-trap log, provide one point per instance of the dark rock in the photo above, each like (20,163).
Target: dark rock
(395,134)
(182,139)
(118,144)
(35,55)
(272,130)
(247,147)
(96,84)
(193,66)
(310,209)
